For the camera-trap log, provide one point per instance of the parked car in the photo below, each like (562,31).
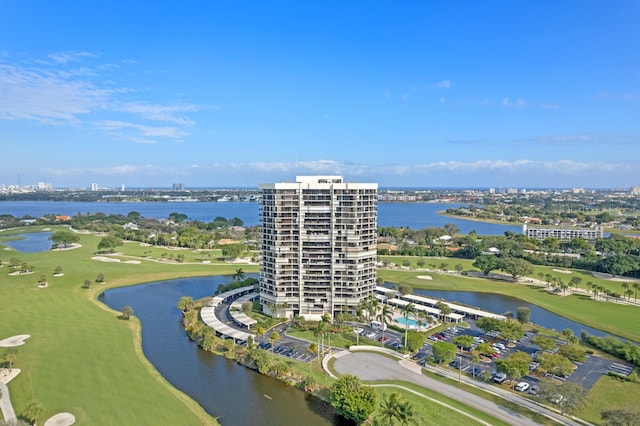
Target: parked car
(499,377)
(533,390)
(522,387)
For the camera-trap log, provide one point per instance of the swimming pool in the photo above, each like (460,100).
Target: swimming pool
(410,322)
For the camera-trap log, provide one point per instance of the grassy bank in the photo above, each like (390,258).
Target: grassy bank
(80,357)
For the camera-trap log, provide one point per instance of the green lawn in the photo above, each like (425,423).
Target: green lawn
(607,394)
(80,357)
(613,318)
(435,413)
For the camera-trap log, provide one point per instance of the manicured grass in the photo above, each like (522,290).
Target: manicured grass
(491,397)
(613,318)
(434,412)
(607,394)
(338,340)
(80,357)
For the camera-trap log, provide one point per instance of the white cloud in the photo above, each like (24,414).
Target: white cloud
(70,56)
(59,95)
(444,84)
(523,172)
(550,106)
(518,103)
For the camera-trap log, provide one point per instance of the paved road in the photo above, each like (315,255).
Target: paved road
(370,366)
(5,405)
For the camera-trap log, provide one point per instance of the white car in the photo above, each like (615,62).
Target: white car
(358,330)
(522,386)
(371,335)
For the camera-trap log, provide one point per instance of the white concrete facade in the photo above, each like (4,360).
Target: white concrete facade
(318,246)
(563,233)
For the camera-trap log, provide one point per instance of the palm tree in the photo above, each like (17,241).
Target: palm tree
(406,414)
(10,357)
(372,306)
(628,292)
(33,411)
(636,286)
(444,310)
(389,407)
(475,359)
(602,289)
(384,317)
(408,310)
(312,350)
(319,331)
(274,337)
(239,275)
(625,287)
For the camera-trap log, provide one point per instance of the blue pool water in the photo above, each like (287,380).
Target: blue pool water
(410,322)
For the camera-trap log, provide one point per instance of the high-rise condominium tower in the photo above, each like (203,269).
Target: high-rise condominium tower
(318,246)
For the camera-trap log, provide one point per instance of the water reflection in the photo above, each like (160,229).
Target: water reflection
(33,242)
(234,394)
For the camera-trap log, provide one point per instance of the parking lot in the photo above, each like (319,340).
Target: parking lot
(586,374)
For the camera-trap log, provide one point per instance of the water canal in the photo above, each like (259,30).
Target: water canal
(234,394)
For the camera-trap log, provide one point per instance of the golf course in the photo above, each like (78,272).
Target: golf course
(81,358)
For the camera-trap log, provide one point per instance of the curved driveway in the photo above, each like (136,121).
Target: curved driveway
(371,366)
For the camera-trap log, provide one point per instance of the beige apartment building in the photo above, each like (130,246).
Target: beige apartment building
(318,246)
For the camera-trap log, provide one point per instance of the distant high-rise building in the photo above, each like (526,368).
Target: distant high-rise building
(178,186)
(94,186)
(318,246)
(635,190)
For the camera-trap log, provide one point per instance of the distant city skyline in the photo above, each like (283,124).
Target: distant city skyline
(406,94)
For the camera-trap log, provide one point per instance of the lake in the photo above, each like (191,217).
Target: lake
(32,242)
(411,215)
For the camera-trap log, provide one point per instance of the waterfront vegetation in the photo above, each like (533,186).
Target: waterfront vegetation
(82,359)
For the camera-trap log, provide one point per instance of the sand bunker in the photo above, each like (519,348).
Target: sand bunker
(6,376)
(562,271)
(14,341)
(424,277)
(61,419)
(105,259)
(111,259)
(68,247)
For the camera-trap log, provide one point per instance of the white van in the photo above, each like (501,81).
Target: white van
(377,325)
(522,386)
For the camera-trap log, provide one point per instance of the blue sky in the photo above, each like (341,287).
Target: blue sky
(429,94)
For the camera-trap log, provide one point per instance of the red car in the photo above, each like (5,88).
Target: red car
(495,355)
(383,339)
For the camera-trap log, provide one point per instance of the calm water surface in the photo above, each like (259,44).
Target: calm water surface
(234,394)
(412,215)
(33,242)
